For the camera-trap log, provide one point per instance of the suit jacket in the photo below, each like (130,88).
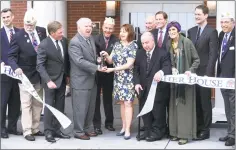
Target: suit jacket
(160,60)
(226,67)
(50,64)
(5,47)
(166,37)
(83,62)
(207,47)
(22,54)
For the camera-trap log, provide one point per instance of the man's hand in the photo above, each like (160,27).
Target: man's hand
(19,71)
(175,71)
(103,69)
(188,73)
(104,53)
(51,85)
(2,64)
(138,87)
(110,70)
(158,76)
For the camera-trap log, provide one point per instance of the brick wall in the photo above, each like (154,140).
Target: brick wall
(19,8)
(95,10)
(212,21)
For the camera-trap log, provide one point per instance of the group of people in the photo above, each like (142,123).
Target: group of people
(120,68)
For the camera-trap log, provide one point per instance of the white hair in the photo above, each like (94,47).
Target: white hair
(30,17)
(147,35)
(83,20)
(109,20)
(150,18)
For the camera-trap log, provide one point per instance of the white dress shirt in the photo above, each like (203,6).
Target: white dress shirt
(59,43)
(163,33)
(8,32)
(228,35)
(35,35)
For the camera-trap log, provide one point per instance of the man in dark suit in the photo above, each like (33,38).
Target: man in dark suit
(226,69)
(152,63)
(53,67)
(160,34)
(22,58)
(206,42)
(10,95)
(105,41)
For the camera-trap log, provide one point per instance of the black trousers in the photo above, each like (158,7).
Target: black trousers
(204,109)
(10,96)
(55,98)
(155,121)
(105,82)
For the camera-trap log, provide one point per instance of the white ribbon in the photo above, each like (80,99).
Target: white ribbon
(208,82)
(63,120)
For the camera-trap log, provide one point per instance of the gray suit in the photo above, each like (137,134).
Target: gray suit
(83,83)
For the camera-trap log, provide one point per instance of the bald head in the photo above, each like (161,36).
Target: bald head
(147,40)
(84,26)
(150,23)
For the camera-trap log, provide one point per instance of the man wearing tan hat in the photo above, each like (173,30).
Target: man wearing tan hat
(105,41)
(226,69)
(22,59)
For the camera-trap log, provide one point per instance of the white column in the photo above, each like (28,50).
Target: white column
(219,110)
(48,11)
(5,4)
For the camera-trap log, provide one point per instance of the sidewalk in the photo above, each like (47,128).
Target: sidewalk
(108,140)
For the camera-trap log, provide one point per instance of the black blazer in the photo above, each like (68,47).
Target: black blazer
(22,54)
(166,37)
(50,64)
(160,60)
(226,68)
(5,47)
(101,45)
(207,48)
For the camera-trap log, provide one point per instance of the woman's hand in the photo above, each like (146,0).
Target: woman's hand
(188,73)
(110,70)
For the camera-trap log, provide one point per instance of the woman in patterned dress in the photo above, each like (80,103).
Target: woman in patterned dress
(123,57)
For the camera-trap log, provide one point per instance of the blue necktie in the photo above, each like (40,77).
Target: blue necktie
(224,45)
(34,41)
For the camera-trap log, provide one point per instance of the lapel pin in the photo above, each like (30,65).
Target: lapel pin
(25,35)
(230,37)
(28,40)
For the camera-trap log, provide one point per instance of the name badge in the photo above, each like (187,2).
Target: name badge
(231,48)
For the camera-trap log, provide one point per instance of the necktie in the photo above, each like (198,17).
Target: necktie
(159,42)
(148,60)
(224,45)
(59,49)
(89,43)
(11,34)
(34,41)
(106,41)
(198,34)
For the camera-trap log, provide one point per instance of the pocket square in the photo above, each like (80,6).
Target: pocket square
(231,48)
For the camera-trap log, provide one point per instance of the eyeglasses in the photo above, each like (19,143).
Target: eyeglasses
(225,22)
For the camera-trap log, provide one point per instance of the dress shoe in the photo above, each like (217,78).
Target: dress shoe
(4,134)
(120,133)
(202,136)
(50,138)
(82,137)
(39,133)
(223,139)
(91,134)
(98,131)
(230,142)
(61,135)
(30,137)
(15,132)
(142,128)
(183,141)
(110,128)
(152,138)
(127,137)
(141,137)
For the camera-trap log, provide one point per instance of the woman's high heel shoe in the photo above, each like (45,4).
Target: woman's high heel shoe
(120,133)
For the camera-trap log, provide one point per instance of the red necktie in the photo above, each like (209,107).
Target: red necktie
(106,41)
(11,34)
(159,42)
